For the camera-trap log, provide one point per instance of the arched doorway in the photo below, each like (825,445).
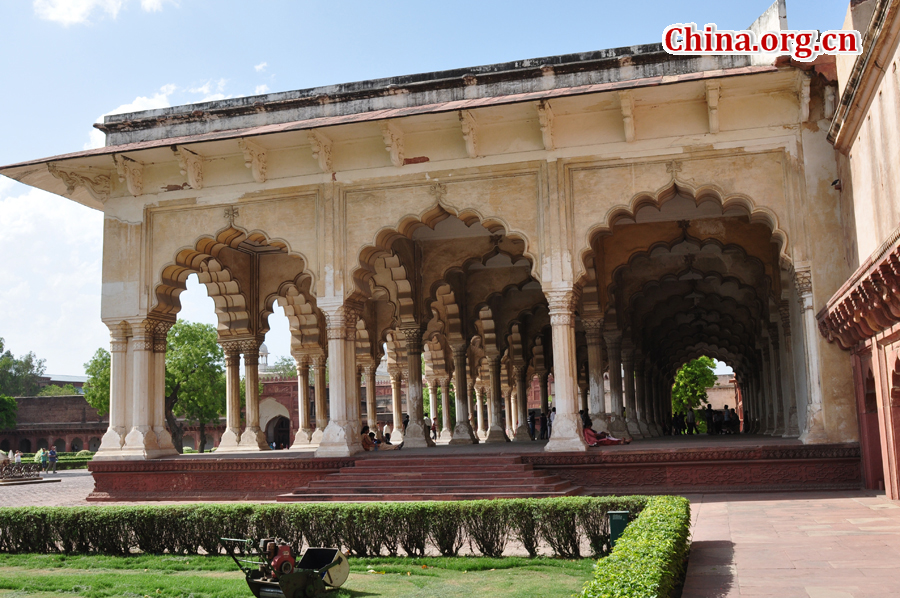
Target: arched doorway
(60,445)
(4,445)
(94,444)
(25,445)
(279,432)
(77,445)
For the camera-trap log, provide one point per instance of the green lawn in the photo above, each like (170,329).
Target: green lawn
(44,576)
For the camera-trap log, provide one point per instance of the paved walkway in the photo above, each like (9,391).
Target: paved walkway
(803,545)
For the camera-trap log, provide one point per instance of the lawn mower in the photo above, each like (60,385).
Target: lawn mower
(272,570)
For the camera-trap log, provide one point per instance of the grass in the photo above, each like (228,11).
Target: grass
(45,576)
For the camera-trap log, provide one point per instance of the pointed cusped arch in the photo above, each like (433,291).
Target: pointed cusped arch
(728,203)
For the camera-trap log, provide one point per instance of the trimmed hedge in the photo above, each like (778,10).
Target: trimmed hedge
(363,529)
(648,560)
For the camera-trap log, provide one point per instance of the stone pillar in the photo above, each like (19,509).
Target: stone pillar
(141,440)
(321,402)
(634,430)
(544,384)
(640,397)
(416,435)
(509,411)
(232,434)
(496,433)
(396,408)
(617,425)
(593,328)
(776,379)
(111,444)
(814,431)
(789,395)
(253,439)
(446,432)
(480,405)
(583,391)
(432,400)
(462,431)
(301,438)
(521,430)
(158,389)
(371,399)
(567,434)
(342,434)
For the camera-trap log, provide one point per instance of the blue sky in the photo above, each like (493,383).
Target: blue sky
(67,62)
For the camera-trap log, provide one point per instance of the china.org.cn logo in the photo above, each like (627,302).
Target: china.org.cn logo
(805,46)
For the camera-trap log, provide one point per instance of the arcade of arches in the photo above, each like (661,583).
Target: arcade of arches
(581,230)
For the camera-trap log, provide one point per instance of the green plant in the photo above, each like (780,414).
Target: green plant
(488,528)
(649,557)
(85,453)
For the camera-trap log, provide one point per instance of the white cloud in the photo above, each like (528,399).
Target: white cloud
(204,89)
(73,12)
(51,292)
(261,89)
(158,100)
(261,67)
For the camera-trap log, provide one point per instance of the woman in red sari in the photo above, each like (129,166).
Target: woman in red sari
(601,438)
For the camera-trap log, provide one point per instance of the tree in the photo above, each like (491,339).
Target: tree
(284,367)
(19,377)
(9,409)
(53,390)
(96,389)
(195,379)
(691,382)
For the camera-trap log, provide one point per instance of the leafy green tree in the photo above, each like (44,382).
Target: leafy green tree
(284,367)
(19,377)
(52,390)
(96,389)
(9,409)
(691,382)
(195,379)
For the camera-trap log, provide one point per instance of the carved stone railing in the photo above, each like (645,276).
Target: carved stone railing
(19,471)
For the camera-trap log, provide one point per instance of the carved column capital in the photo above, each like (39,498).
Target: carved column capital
(341,323)
(593,328)
(562,304)
(318,361)
(413,338)
(803,282)
(131,172)
(302,360)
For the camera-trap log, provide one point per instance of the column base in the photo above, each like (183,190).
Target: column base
(140,443)
(779,431)
(301,439)
(230,441)
(600,422)
(656,430)
(522,434)
(416,436)
(634,430)
(617,428)
(463,434)
(446,434)
(644,428)
(815,428)
(340,439)
(566,436)
(253,439)
(112,440)
(496,434)
(164,441)
(317,434)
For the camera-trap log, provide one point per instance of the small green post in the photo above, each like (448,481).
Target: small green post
(618,521)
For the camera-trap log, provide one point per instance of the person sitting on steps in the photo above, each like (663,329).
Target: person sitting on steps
(602,438)
(369,444)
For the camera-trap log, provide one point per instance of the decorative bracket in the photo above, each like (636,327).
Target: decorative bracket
(131,172)
(468,123)
(393,142)
(804,99)
(545,118)
(191,166)
(255,158)
(99,186)
(713,89)
(321,146)
(438,191)
(829,101)
(626,99)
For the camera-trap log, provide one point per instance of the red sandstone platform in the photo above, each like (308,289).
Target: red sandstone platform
(661,465)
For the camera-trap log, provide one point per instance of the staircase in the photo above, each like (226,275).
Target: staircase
(396,478)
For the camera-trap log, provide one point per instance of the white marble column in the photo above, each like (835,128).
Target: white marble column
(480,405)
(114,438)
(776,379)
(462,430)
(432,400)
(252,439)
(416,434)
(787,369)
(640,396)
(446,431)
(522,433)
(232,435)
(396,408)
(617,426)
(371,398)
(496,432)
(158,389)
(509,411)
(342,434)
(634,430)
(814,431)
(141,440)
(593,328)
(567,434)
(544,383)
(321,401)
(304,432)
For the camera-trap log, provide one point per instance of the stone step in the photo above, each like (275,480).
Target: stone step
(402,497)
(320,488)
(349,479)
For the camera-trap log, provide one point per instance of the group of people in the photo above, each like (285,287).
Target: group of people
(541,426)
(47,458)
(378,441)
(718,421)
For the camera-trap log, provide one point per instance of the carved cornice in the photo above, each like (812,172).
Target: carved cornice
(545,119)
(469,130)
(98,185)
(255,158)
(131,172)
(321,146)
(393,142)
(191,166)
(245,345)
